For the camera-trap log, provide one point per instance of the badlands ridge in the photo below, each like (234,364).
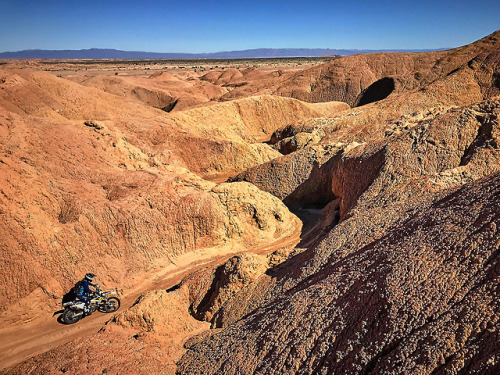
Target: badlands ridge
(327,218)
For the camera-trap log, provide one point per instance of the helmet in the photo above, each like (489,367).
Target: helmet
(88,277)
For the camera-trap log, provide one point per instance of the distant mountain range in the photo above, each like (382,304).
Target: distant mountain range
(98,53)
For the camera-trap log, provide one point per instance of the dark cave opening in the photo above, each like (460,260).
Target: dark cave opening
(378,90)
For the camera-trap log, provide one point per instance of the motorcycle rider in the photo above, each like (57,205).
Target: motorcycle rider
(83,292)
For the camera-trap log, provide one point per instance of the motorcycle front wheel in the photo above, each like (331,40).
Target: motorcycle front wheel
(71,316)
(111,305)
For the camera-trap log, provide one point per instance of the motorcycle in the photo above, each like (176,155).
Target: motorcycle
(101,301)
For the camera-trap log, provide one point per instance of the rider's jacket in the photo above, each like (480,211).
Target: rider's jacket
(83,288)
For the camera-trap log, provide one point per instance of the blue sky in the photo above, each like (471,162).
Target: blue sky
(210,26)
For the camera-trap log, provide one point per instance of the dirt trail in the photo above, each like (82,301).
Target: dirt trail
(20,342)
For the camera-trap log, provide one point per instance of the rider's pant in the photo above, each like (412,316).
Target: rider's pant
(84,298)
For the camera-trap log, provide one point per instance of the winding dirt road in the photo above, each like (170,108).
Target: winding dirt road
(22,341)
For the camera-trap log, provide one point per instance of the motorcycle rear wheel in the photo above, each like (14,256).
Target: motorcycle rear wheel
(71,316)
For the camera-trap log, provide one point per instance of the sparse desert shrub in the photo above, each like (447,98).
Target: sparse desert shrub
(70,211)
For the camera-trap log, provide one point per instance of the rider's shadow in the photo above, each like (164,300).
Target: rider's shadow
(59,318)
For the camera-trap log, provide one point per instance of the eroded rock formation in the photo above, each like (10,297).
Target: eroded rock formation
(398,263)
(422,297)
